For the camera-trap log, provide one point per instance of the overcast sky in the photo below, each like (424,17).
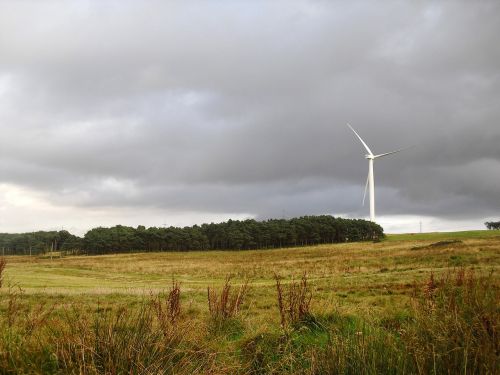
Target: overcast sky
(176,113)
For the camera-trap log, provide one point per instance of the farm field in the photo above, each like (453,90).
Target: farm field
(354,275)
(365,282)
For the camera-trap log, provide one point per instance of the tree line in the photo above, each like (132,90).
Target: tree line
(40,242)
(230,235)
(493,225)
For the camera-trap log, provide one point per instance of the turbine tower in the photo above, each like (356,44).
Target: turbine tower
(370,180)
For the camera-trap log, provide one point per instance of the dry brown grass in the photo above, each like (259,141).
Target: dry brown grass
(364,279)
(361,278)
(455,328)
(452,327)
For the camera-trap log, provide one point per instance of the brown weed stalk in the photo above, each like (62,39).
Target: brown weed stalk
(294,304)
(226,304)
(3,264)
(168,308)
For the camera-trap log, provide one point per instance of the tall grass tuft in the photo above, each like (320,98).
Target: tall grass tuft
(455,328)
(23,333)
(452,329)
(355,347)
(126,341)
(294,304)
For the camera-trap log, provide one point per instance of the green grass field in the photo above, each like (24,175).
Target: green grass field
(358,276)
(371,282)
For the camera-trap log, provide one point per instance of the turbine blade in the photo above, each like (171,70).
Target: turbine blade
(366,187)
(392,152)
(363,142)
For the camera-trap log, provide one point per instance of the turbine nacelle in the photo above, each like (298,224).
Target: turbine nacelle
(367,156)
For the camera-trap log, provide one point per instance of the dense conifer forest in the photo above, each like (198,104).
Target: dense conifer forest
(230,235)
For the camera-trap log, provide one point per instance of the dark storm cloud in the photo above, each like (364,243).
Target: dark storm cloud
(241,106)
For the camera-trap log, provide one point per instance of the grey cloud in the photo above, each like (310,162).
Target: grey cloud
(241,107)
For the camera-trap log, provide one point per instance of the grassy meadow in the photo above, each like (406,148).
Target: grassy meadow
(360,301)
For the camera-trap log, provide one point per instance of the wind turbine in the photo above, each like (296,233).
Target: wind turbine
(370,181)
